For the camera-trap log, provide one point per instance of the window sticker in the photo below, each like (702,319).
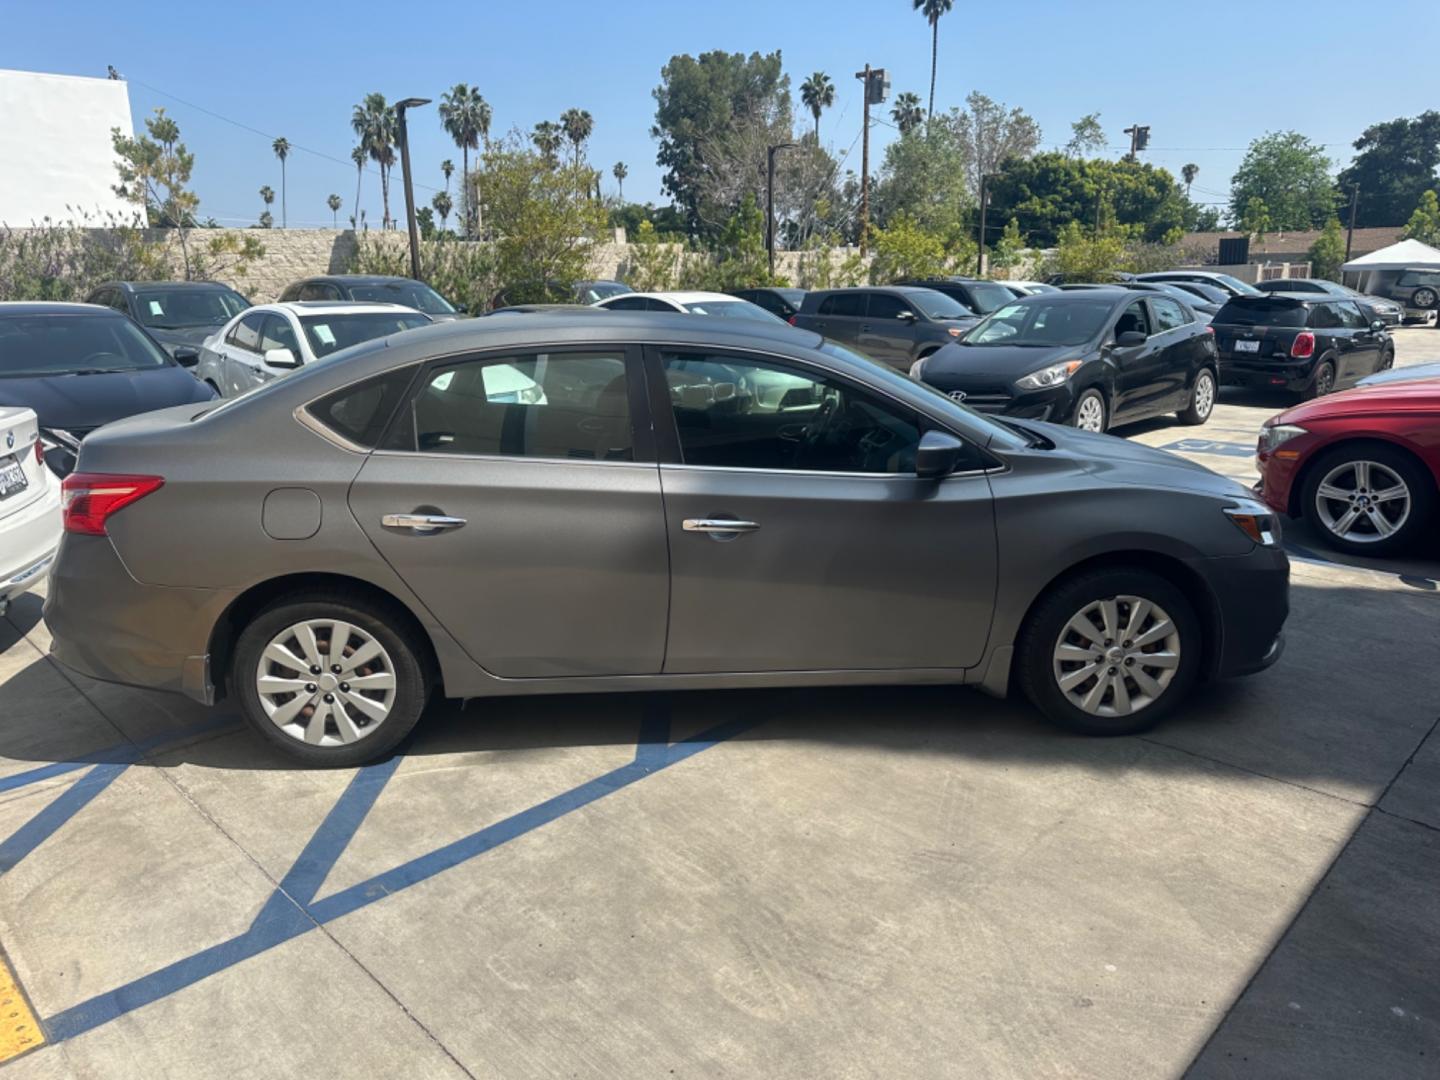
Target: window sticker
(325,334)
(155,308)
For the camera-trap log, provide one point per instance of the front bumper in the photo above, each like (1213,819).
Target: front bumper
(1055,403)
(1252,596)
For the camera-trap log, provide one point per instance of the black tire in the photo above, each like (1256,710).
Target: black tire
(413,680)
(1322,383)
(1387,358)
(1424,298)
(1036,662)
(1197,412)
(1423,497)
(1096,396)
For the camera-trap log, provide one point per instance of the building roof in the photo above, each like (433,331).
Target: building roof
(1291,246)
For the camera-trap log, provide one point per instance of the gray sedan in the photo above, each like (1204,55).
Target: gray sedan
(663,503)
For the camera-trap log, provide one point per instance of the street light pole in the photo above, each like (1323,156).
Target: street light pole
(770,201)
(984,200)
(1350,233)
(400,107)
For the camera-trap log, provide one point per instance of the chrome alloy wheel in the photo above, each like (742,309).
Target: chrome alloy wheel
(1116,656)
(1204,394)
(1362,501)
(325,682)
(1090,415)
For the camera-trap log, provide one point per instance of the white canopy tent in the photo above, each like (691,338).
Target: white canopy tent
(1373,272)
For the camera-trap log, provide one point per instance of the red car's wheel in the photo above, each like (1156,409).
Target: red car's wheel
(1368,498)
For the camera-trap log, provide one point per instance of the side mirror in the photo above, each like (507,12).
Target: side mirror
(937,455)
(281,358)
(906,316)
(461,309)
(1377,325)
(186,355)
(1130,338)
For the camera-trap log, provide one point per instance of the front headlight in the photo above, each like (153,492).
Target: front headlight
(1054,375)
(1278,435)
(1256,521)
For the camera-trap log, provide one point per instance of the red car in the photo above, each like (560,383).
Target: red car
(1362,465)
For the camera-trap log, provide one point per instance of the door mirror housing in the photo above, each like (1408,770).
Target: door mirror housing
(186,355)
(906,316)
(1377,325)
(937,455)
(1130,338)
(281,358)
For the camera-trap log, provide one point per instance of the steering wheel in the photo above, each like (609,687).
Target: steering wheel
(816,432)
(101,359)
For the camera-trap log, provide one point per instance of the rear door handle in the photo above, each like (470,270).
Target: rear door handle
(421,523)
(719,525)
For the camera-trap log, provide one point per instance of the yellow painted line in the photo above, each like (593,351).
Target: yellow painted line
(19,1030)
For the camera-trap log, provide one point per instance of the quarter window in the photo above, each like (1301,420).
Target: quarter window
(543,405)
(750,414)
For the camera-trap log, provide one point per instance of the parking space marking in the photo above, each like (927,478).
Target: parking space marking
(20,1032)
(1211,446)
(288,914)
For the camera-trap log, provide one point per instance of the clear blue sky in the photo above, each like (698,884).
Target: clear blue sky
(1206,77)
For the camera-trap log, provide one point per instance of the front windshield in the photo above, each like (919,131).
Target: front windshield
(936,305)
(412,294)
(1244,288)
(172,309)
(732,309)
(990,296)
(338,330)
(1042,322)
(36,346)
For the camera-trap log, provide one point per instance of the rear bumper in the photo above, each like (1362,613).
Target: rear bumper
(1292,375)
(1252,593)
(28,539)
(108,626)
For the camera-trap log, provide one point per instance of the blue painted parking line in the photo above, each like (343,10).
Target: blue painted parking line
(291,910)
(1211,446)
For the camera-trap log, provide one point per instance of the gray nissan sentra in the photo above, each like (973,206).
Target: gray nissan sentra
(565,503)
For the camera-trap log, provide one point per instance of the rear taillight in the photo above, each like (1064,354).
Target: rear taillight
(1209,329)
(39,453)
(791,320)
(1303,346)
(88,499)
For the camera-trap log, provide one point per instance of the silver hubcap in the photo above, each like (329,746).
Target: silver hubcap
(1362,501)
(1090,415)
(1117,656)
(325,682)
(1324,381)
(1204,394)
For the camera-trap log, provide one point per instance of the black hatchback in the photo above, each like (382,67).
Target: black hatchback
(1305,343)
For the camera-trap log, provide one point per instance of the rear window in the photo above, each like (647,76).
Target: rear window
(990,297)
(1250,312)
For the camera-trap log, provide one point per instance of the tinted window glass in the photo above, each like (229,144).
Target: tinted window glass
(591,291)
(749,414)
(629,303)
(988,296)
(1168,314)
(32,345)
(552,405)
(1419,277)
(1352,316)
(885,306)
(731,309)
(360,412)
(173,308)
(936,305)
(1256,312)
(1042,322)
(331,333)
(849,305)
(1325,317)
(1133,320)
(319,291)
(279,334)
(246,333)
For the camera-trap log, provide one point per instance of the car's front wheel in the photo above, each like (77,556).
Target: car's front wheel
(329,678)
(1089,414)
(1110,652)
(1368,499)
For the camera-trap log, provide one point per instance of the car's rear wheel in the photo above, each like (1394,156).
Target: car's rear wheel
(1089,414)
(1202,399)
(1322,383)
(1110,652)
(330,678)
(1424,298)
(1368,499)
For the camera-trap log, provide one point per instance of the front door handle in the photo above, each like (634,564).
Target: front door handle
(719,525)
(421,523)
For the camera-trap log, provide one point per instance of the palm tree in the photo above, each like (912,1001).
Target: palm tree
(281,146)
(334,203)
(465,116)
(374,124)
(358,156)
(547,137)
(577,125)
(442,204)
(447,167)
(1189,172)
(267,220)
(932,10)
(818,94)
(620,172)
(268,194)
(907,112)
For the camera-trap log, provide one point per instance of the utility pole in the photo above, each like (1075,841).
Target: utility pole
(1139,139)
(984,201)
(770,201)
(1350,233)
(877,88)
(400,107)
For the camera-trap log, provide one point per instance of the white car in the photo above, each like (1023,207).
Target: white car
(690,303)
(270,340)
(29,506)
(1027,288)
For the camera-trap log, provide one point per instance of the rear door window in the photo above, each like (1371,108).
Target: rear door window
(1256,312)
(1169,315)
(849,305)
(1419,277)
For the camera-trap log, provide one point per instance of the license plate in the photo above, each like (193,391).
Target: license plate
(12,478)
(1247,346)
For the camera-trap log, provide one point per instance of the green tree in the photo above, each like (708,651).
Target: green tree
(1255,219)
(923,179)
(654,264)
(1328,252)
(907,112)
(281,146)
(425,223)
(154,171)
(577,124)
(737,259)
(465,115)
(1291,176)
(374,124)
(358,155)
(932,10)
(443,205)
(1087,137)
(1424,224)
(818,94)
(1394,166)
(1188,174)
(905,249)
(1006,253)
(447,167)
(711,115)
(620,172)
(334,203)
(992,134)
(547,137)
(267,194)
(1081,256)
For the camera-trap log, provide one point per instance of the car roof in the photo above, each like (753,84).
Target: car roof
(54,307)
(1297,297)
(168,286)
(693,297)
(357,279)
(335,307)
